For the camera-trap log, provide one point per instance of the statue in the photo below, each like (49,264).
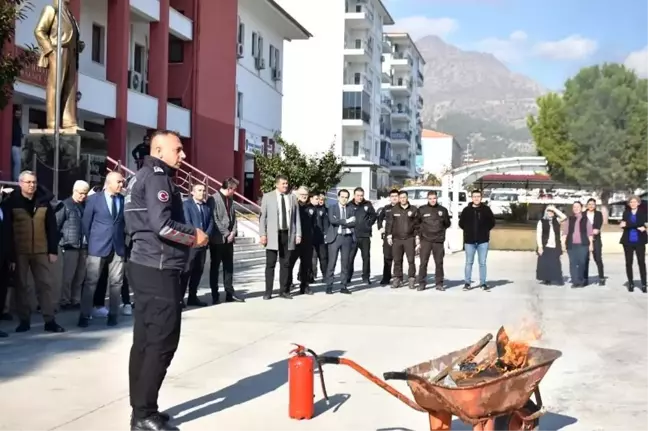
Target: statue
(46,34)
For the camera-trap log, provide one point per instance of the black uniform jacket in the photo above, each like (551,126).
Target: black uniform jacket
(434,222)
(403,223)
(365,215)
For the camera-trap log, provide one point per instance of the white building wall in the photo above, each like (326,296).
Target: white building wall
(261,109)
(313,76)
(440,154)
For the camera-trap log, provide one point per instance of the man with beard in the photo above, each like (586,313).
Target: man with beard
(320,249)
(435,220)
(388,258)
(476,221)
(365,218)
(402,230)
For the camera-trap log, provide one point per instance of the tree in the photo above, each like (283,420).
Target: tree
(319,173)
(594,135)
(12,62)
(426,180)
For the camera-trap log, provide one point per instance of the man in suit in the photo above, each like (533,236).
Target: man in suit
(280,232)
(221,247)
(340,238)
(320,249)
(595,217)
(197,214)
(104,228)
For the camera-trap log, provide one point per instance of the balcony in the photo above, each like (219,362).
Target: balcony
(180,26)
(358,82)
(385,78)
(142,109)
(385,131)
(179,119)
(359,17)
(355,119)
(401,87)
(401,137)
(402,167)
(386,45)
(386,104)
(400,112)
(402,61)
(149,10)
(358,51)
(97,96)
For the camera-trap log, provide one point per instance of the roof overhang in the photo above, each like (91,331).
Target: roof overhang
(470,174)
(276,17)
(405,35)
(387,18)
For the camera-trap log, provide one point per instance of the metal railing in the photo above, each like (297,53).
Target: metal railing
(401,135)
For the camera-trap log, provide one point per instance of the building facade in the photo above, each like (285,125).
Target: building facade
(441,153)
(332,86)
(402,84)
(165,64)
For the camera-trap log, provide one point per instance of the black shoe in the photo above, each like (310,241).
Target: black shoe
(154,422)
(286,295)
(111,320)
(164,416)
(234,298)
(23,327)
(467,287)
(216,299)
(412,283)
(3,334)
(545,283)
(577,286)
(421,287)
(54,327)
(601,281)
(183,305)
(484,287)
(7,317)
(630,287)
(195,302)
(345,291)
(329,290)
(305,290)
(643,288)
(396,283)
(384,282)
(308,291)
(585,282)
(367,282)
(267,296)
(83,322)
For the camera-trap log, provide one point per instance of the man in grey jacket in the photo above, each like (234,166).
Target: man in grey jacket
(221,242)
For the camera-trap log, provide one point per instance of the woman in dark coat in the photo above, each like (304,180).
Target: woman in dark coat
(549,268)
(634,239)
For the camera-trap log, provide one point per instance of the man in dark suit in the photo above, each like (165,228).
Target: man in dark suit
(104,228)
(199,215)
(7,257)
(320,249)
(340,240)
(595,217)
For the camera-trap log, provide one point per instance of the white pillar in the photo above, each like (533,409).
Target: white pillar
(454,236)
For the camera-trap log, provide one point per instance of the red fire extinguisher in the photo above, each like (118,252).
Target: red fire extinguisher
(301,369)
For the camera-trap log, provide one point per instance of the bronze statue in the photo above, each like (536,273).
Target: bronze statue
(46,34)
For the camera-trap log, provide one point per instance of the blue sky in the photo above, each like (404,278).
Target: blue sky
(548,40)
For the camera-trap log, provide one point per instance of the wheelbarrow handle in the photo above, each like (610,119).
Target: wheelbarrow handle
(396,375)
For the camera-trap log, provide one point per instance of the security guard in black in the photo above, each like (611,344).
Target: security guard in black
(435,220)
(365,215)
(402,230)
(161,242)
(320,248)
(383,214)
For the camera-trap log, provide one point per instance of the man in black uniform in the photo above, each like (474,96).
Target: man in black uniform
(320,249)
(161,241)
(435,220)
(388,258)
(401,230)
(365,218)
(304,250)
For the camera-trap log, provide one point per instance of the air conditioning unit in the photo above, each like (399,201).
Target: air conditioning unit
(239,50)
(276,75)
(135,81)
(259,63)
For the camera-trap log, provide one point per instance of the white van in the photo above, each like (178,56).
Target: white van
(500,201)
(418,197)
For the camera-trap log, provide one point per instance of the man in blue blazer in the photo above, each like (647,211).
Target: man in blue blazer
(199,215)
(103,225)
(340,238)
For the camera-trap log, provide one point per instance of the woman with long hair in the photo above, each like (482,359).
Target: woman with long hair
(634,239)
(548,234)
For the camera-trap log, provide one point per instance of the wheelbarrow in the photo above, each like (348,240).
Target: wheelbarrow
(499,403)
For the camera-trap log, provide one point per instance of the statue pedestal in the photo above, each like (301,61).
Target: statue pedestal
(75,147)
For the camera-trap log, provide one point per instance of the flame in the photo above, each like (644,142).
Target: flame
(516,351)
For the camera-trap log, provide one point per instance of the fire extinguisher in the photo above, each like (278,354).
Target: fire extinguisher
(301,388)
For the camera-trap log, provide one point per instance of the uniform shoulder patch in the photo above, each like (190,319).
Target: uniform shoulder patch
(163,196)
(158,170)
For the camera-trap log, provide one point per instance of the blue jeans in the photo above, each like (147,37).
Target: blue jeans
(578,255)
(16,161)
(482,252)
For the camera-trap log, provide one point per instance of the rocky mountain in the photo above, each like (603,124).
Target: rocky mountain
(477,99)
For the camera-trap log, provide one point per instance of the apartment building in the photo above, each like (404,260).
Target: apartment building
(402,82)
(183,65)
(441,153)
(332,86)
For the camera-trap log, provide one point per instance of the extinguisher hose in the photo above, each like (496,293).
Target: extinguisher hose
(321,373)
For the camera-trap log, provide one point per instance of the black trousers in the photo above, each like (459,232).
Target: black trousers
(156,333)
(364,245)
(640,251)
(304,252)
(404,247)
(320,252)
(191,277)
(388,261)
(5,276)
(342,246)
(99,299)
(221,253)
(437,250)
(597,255)
(283,255)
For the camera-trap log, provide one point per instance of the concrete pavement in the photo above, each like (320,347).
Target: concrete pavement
(230,370)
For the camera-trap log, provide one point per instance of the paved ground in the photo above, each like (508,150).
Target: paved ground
(230,370)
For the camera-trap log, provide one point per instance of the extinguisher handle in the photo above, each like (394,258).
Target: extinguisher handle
(396,375)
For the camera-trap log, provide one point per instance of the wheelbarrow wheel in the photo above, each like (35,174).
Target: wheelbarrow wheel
(514,421)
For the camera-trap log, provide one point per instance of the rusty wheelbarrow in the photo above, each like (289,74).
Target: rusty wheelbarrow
(499,403)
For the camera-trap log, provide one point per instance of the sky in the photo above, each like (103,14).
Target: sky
(547,40)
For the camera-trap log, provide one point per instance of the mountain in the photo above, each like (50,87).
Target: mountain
(477,99)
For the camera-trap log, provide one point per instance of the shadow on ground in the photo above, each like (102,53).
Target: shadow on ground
(245,390)
(548,422)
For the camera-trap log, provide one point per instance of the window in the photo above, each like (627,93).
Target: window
(98,43)
(241,32)
(239,105)
(275,58)
(374,180)
(260,50)
(350,180)
(175,101)
(176,49)
(356,148)
(255,44)
(138,58)
(356,105)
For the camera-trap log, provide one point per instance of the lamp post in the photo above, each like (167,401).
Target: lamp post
(57,103)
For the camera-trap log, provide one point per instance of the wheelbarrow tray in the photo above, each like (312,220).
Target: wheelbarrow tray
(491,398)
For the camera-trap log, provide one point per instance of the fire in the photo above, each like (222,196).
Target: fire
(516,351)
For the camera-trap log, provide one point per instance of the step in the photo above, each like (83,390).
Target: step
(246,247)
(241,240)
(250,254)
